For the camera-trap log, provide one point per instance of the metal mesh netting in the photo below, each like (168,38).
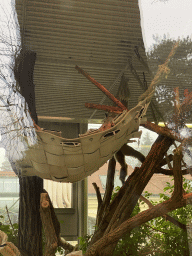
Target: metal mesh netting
(16,126)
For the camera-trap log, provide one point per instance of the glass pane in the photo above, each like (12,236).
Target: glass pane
(11,185)
(9,196)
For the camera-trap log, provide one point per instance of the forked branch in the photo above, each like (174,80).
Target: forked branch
(166,216)
(99,198)
(141,218)
(108,191)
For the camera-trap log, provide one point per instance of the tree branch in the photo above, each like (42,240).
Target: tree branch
(54,219)
(104,107)
(97,190)
(155,229)
(135,189)
(168,162)
(166,216)
(153,212)
(170,172)
(102,88)
(178,182)
(164,131)
(108,190)
(10,221)
(129,151)
(110,181)
(129,194)
(132,189)
(23,72)
(65,245)
(120,157)
(164,161)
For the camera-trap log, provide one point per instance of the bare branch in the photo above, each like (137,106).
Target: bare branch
(97,190)
(165,131)
(166,216)
(65,245)
(129,151)
(170,172)
(139,219)
(136,186)
(168,161)
(155,229)
(110,181)
(178,182)
(169,158)
(10,221)
(108,190)
(120,157)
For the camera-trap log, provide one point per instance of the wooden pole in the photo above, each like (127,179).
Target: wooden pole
(104,107)
(102,88)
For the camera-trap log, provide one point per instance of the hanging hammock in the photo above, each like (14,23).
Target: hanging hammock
(71,160)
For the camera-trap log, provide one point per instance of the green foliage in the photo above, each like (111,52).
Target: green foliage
(180,74)
(60,250)
(131,243)
(158,237)
(115,192)
(84,242)
(12,233)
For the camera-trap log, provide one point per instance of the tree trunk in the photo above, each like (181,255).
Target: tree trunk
(30,226)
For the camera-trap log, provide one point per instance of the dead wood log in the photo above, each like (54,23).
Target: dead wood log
(51,238)
(51,227)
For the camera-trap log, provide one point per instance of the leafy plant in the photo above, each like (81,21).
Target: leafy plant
(115,192)
(84,242)
(60,250)
(158,237)
(10,230)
